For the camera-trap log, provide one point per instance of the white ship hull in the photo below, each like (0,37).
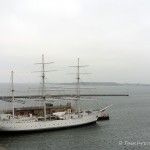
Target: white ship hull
(33,125)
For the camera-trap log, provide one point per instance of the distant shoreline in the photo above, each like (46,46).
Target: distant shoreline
(86,83)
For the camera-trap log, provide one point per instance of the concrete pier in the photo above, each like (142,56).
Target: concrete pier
(60,95)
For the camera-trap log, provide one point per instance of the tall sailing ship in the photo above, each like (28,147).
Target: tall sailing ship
(56,120)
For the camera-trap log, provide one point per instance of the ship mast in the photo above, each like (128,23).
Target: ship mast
(12,90)
(78,86)
(43,84)
(78,83)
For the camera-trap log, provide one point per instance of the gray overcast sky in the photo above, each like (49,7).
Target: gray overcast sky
(111,36)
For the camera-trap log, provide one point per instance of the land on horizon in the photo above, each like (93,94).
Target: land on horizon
(89,83)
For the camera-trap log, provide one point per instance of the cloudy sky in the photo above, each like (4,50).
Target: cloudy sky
(111,36)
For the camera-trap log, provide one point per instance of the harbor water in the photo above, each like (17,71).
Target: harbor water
(127,129)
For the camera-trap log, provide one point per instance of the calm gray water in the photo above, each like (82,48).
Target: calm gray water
(127,129)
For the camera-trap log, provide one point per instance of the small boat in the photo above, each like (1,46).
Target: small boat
(57,120)
(102,117)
